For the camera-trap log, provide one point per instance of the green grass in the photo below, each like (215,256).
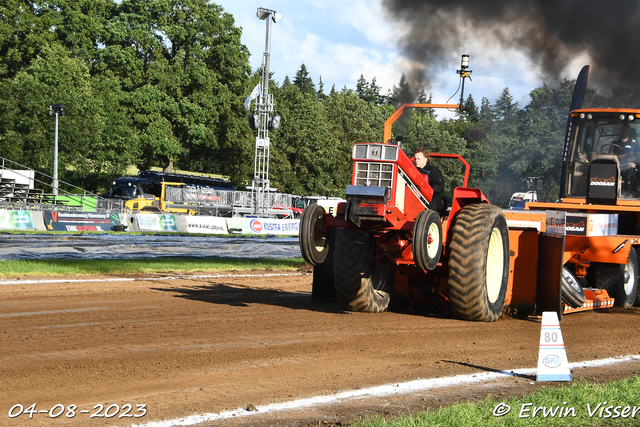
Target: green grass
(69,267)
(617,395)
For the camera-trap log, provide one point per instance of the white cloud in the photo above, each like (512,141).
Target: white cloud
(304,35)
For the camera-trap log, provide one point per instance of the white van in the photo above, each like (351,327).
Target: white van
(529,196)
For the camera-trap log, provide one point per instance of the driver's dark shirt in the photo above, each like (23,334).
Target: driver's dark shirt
(436,181)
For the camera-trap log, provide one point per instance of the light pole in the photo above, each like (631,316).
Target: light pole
(464,72)
(266,119)
(58,109)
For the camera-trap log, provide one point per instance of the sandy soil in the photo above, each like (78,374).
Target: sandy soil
(190,346)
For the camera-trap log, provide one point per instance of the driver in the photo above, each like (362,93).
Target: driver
(435,178)
(631,156)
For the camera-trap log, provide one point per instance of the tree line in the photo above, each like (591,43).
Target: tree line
(162,83)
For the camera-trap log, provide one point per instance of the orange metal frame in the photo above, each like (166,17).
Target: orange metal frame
(523,244)
(580,250)
(389,123)
(467,168)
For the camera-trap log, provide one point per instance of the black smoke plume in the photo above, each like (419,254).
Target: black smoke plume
(550,32)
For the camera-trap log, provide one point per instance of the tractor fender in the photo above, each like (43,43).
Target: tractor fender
(462,196)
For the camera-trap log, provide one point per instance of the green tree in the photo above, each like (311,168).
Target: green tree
(94,138)
(351,120)
(471,112)
(487,116)
(303,151)
(186,74)
(374,90)
(369,92)
(24,32)
(321,95)
(424,132)
(303,81)
(541,132)
(401,94)
(506,112)
(362,87)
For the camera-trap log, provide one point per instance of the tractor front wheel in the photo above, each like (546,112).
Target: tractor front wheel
(314,244)
(360,284)
(427,240)
(479,263)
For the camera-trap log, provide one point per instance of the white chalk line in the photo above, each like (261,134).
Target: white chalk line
(132,279)
(377,391)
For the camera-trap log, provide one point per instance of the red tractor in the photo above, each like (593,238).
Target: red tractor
(384,241)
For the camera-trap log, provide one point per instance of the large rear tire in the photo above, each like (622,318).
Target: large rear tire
(360,284)
(314,244)
(427,240)
(619,280)
(479,263)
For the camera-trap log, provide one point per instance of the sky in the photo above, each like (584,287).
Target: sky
(339,41)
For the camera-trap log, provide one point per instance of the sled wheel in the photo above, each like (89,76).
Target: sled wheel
(427,240)
(313,242)
(572,292)
(360,284)
(637,302)
(479,263)
(619,280)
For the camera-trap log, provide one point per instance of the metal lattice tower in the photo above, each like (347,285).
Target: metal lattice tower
(265,110)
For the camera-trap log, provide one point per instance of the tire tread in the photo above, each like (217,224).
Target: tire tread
(354,267)
(467,259)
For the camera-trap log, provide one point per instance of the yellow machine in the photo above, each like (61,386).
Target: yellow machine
(148,203)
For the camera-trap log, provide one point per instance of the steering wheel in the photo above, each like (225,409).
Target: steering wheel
(610,144)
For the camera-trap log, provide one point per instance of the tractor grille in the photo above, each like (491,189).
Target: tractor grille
(374,174)
(375,151)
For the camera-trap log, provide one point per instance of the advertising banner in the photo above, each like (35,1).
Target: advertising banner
(584,224)
(79,221)
(287,227)
(556,223)
(150,222)
(15,220)
(206,224)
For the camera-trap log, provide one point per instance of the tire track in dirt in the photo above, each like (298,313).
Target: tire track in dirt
(194,345)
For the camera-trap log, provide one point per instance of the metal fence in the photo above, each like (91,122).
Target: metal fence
(230,203)
(16,195)
(202,200)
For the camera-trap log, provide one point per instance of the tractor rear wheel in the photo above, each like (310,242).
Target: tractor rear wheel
(572,292)
(427,240)
(619,280)
(314,244)
(360,284)
(479,263)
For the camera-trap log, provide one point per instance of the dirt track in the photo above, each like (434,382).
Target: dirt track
(190,346)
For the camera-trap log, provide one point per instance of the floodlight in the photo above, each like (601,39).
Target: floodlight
(276,17)
(254,121)
(263,13)
(57,109)
(465,62)
(274,123)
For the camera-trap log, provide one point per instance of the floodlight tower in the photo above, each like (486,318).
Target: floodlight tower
(266,120)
